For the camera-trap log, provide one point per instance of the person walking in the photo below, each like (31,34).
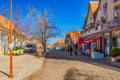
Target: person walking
(75,49)
(70,50)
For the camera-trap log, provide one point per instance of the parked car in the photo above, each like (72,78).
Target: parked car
(17,50)
(47,49)
(30,48)
(57,48)
(53,49)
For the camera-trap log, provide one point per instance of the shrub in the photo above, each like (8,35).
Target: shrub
(114,52)
(119,52)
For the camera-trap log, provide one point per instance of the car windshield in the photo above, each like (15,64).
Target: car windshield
(29,46)
(15,48)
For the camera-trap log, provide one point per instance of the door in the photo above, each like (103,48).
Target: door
(84,48)
(107,47)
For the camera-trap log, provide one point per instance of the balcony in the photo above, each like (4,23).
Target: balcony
(104,27)
(114,23)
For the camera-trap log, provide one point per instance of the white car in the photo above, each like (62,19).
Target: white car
(30,48)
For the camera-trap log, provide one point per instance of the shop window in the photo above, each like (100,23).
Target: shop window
(118,42)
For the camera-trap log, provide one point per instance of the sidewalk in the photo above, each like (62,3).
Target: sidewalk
(23,65)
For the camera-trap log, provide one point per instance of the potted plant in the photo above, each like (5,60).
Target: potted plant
(118,57)
(114,53)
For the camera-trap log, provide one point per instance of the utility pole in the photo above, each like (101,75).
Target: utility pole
(11,57)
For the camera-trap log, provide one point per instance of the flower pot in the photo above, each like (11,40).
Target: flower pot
(113,59)
(118,58)
(39,54)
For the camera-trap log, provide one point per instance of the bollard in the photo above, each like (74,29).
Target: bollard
(39,54)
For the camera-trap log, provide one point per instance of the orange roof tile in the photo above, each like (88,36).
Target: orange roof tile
(62,41)
(75,35)
(6,24)
(94,6)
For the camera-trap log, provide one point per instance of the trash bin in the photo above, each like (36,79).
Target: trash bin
(39,54)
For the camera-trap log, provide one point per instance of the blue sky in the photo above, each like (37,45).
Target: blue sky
(69,14)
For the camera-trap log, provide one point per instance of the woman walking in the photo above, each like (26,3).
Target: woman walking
(70,50)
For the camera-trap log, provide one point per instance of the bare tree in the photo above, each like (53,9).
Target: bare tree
(17,23)
(5,37)
(44,30)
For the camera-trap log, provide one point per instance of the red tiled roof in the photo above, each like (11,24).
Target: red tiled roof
(75,35)
(93,5)
(6,25)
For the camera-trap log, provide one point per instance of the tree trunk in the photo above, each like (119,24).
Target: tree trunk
(44,47)
(44,44)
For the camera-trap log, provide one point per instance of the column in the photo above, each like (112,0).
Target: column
(111,40)
(103,43)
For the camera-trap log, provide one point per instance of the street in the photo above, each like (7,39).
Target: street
(62,66)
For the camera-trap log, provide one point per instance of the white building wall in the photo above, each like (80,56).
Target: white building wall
(110,9)
(90,18)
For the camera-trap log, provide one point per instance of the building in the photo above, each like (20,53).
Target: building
(60,43)
(49,46)
(111,26)
(91,33)
(4,35)
(72,37)
(101,29)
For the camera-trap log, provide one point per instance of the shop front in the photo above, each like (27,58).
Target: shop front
(91,44)
(118,42)
(111,38)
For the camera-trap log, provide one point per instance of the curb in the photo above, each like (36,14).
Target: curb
(39,70)
(117,64)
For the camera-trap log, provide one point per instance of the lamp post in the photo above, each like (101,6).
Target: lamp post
(11,59)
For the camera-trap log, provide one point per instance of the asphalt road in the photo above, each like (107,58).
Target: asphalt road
(62,66)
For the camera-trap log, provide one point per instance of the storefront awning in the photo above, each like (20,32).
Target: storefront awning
(89,40)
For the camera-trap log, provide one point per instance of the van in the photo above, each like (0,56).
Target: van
(30,48)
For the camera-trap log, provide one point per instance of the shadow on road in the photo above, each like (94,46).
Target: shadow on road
(74,74)
(4,73)
(62,55)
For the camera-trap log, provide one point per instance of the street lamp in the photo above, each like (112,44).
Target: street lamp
(11,59)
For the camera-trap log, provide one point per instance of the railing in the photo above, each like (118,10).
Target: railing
(114,23)
(92,32)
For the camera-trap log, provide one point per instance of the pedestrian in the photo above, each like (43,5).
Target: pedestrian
(70,50)
(75,49)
